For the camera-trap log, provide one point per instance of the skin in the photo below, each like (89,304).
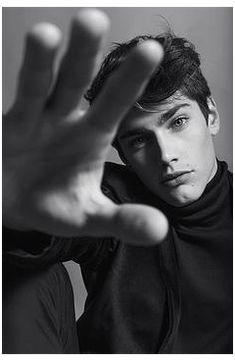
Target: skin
(173,138)
(54,154)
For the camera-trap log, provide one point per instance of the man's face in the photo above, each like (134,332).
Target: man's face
(171,150)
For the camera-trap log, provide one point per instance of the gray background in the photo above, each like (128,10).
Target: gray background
(210,29)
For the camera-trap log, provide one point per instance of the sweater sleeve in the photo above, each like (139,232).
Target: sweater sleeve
(36,249)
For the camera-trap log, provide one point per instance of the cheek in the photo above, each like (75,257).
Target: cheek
(142,168)
(198,145)
(146,168)
(203,148)
(143,161)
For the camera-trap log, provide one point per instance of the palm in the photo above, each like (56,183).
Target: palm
(54,167)
(54,155)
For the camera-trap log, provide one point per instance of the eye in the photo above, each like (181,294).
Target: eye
(139,141)
(179,122)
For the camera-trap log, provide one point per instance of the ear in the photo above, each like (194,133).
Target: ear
(213,117)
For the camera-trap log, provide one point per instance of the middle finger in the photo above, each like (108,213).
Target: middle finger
(78,65)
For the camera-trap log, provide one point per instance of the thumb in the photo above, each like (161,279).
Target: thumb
(139,225)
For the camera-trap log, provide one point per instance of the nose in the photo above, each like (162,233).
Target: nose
(166,149)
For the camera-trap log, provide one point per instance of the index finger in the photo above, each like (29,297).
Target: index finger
(124,87)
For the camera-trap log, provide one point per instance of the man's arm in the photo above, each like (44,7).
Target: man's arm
(53,156)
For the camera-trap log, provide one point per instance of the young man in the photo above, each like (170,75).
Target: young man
(155,246)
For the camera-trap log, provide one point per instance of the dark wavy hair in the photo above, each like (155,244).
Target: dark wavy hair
(179,71)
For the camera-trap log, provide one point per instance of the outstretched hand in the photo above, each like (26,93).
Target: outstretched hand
(54,154)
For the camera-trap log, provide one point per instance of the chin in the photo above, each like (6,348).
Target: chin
(186,197)
(181,202)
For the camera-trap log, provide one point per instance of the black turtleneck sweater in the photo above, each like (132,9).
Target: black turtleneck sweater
(202,243)
(202,234)
(172,298)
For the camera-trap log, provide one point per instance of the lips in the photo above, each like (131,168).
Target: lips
(176,178)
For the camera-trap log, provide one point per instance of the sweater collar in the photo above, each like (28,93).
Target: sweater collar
(211,202)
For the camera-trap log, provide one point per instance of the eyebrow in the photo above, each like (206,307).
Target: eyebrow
(163,118)
(167,115)
(133,132)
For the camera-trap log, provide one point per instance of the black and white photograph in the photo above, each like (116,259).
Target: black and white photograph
(117,186)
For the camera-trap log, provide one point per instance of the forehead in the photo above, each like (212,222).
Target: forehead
(137,117)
